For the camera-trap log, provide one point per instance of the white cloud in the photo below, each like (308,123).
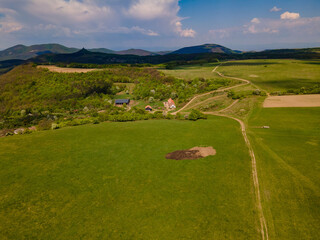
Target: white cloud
(163,11)
(69,12)
(275,9)
(290,16)
(153,9)
(8,24)
(295,27)
(255,20)
(184,32)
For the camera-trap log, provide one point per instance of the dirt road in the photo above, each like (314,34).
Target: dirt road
(263,223)
(214,91)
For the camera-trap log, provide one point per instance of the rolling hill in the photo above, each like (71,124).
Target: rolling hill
(25,52)
(205,48)
(138,52)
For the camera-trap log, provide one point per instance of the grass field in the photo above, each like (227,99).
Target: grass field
(111,181)
(288,159)
(275,75)
(190,72)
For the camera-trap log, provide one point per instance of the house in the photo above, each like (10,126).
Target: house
(148,108)
(122,101)
(171,103)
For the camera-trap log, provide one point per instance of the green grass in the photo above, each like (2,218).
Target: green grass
(275,75)
(288,160)
(190,72)
(111,181)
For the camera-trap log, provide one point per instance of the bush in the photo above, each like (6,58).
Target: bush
(45,124)
(195,115)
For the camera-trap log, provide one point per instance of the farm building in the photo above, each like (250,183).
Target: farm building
(122,101)
(148,108)
(171,103)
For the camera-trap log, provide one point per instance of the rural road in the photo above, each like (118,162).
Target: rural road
(214,91)
(263,223)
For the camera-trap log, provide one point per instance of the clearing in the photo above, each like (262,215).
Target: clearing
(68,70)
(292,101)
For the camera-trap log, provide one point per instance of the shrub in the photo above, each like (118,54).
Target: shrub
(45,124)
(195,115)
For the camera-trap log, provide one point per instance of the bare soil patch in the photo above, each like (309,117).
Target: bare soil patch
(67,70)
(192,153)
(312,100)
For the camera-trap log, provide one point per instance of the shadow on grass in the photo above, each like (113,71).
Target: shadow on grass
(315,62)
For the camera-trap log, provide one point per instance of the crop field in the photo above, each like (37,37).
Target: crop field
(288,159)
(275,75)
(112,181)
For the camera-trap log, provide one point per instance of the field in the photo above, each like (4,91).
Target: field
(68,70)
(112,181)
(293,101)
(190,72)
(275,75)
(288,165)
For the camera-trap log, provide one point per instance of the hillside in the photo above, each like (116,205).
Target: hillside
(138,52)
(25,52)
(205,48)
(102,50)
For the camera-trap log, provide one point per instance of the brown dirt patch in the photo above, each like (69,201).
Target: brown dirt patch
(192,153)
(67,70)
(312,100)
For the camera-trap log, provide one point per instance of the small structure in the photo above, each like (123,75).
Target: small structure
(148,108)
(122,101)
(171,103)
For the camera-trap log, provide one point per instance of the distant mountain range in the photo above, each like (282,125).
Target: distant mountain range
(26,52)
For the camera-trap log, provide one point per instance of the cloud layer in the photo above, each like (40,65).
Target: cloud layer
(91,19)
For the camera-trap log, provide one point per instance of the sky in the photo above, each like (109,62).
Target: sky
(161,24)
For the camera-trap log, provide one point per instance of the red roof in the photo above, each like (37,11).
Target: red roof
(148,107)
(171,102)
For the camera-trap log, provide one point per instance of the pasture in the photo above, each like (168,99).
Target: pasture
(275,75)
(190,72)
(112,181)
(288,160)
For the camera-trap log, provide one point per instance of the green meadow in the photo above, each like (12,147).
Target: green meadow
(274,74)
(190,72)
(288,160)
(112,181)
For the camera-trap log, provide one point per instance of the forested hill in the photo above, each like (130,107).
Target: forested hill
(205,48)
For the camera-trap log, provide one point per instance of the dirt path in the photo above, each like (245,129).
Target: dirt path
(263,223)
(214,91)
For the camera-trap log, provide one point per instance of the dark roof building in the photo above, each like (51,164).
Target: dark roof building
(122,101)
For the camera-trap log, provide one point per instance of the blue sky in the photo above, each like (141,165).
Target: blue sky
(161,24)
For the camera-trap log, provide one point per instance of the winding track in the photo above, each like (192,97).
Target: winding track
(245,82)
(263,223)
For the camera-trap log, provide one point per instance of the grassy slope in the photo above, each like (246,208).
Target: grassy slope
(288,164)
(111,181)
(275,75)
(192,71)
